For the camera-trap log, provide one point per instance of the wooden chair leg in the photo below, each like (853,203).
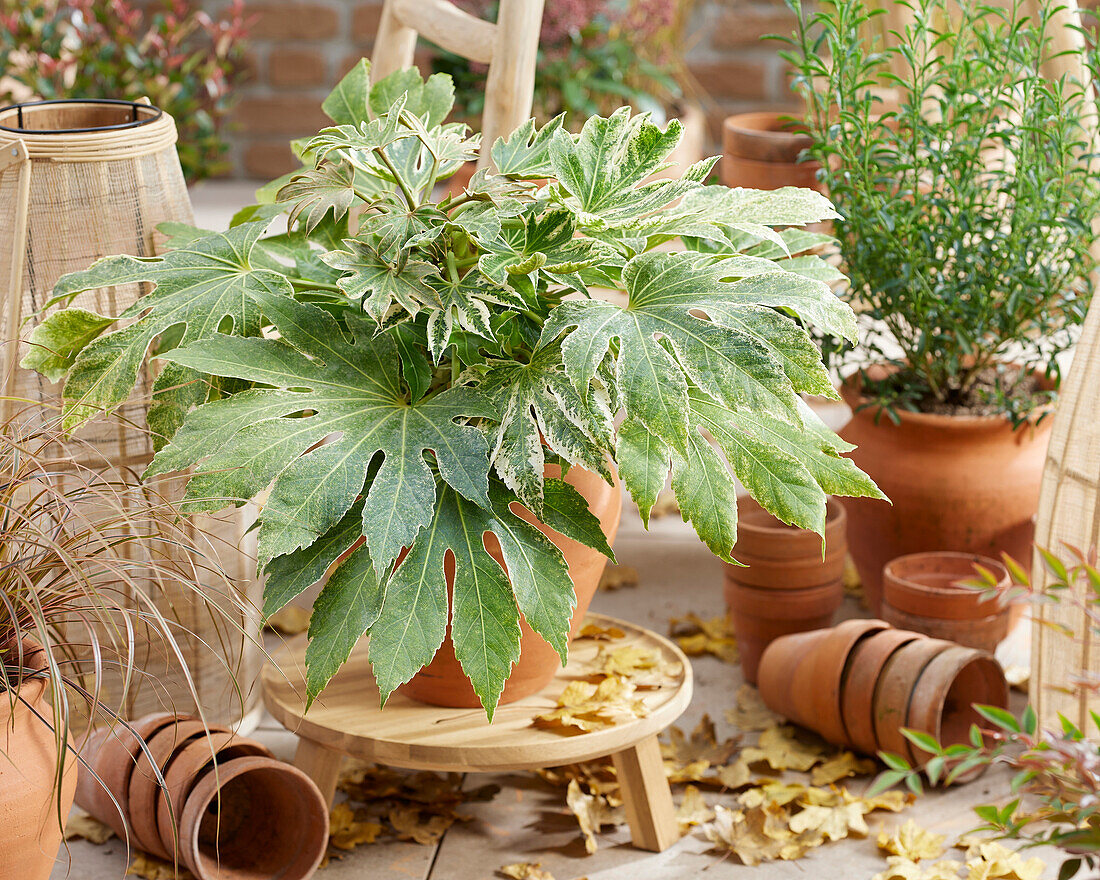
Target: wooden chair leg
(320,764)
(646,796)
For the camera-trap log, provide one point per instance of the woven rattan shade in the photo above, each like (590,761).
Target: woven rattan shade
(67,199)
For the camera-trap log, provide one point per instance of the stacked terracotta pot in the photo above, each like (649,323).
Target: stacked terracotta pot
(220,803)
(784,584)
(858,684)
(762,151)
(924,592)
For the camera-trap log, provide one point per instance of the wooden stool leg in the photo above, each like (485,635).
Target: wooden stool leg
(646,796)
(320,764)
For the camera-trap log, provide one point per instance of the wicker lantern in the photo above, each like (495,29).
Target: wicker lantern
(80,180)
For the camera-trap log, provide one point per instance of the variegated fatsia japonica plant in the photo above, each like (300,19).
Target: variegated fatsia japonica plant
(448,350)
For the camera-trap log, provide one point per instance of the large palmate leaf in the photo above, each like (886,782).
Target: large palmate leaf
(525,153)
(484,620)
(203,286)
(536,402)
(349,391)
(663,345)
(545,242)
(603,171)
(377,283)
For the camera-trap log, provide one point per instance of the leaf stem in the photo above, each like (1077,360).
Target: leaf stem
(410,201)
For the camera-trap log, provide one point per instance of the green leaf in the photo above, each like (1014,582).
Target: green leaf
(812,301)
(314,193)
(351,390)
(465,303)
(1002,718)
(485,620)
(345,609)
(545,242)
(430,99)
(525,153)
(565,511)
(379,284)
(347,103)
(706,495)
(643,460)
(536,402)
(923,741)
(58,340)
(204,287)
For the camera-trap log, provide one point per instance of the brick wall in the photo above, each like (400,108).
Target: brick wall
(300,49)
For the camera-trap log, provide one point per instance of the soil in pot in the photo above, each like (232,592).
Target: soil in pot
(963,483)
(30,801)
(922,592)
(761,151)
(783,585)
(443,683)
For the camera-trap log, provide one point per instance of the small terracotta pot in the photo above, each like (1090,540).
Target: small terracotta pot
(942,703)
(443,683)
(890,704)
(858,689)
(963,483)
(787,664)
(834,664)
(30,801)
(761,151)
(920,593)
(783,585)
(254,817)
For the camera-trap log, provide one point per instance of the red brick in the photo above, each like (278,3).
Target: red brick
(730,78)
(267,160)
(299,68)
(294,21)
(291,115)
(747,26)
(364,21)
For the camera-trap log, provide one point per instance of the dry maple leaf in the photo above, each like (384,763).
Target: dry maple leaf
(831,822)
(841,766)
(754,836)
(526,871)
(783,793)
(598,776)
(347,828)
(901,868)
(81,826)
(735,775)
(615,577)
(693,809)
(638,664)
(593,811)
(696,637)
(583,706)
(894,801)
(290,620)
(750,713)
(992,861)
(600,633)
(912,842)
(781,748)
(702,745)
(409,823)
(152,868)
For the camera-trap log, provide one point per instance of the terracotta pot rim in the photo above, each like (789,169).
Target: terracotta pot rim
(850,391)
(766,125)
(835,518)
(892,581)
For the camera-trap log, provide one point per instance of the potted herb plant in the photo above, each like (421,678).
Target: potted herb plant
(411,378)
(593,58)
(85,553)
(965,233)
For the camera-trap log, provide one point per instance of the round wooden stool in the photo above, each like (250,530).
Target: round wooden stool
(346,721)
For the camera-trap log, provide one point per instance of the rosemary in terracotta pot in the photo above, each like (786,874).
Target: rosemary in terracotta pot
(965,233)
(457,361)
(86,553)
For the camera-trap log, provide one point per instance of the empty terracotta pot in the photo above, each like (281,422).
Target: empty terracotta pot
(443,683)
(921,592)
(761,151)
(30,801)
(226,807)
(783,585)
(859,683)
(963,483)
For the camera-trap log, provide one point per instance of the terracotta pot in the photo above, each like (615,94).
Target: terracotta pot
(899,676)
(858,688)
(29,799)
(111,754)
(786,668)
(942,703)
(761,151)
(784,586)
(833,664)
(963,483)
(443,683)
(255,817)
(921,593)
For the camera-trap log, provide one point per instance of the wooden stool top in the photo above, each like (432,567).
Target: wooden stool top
(346,717)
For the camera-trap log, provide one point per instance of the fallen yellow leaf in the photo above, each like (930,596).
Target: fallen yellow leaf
(597,776)
(754,836)
(992,861)
(615,577)
(750,713)
(841,766)
(631,661)
(735,775)
(912,842)
(894,801)
(410,824)
(84,827)
(701,745)
(152,868)
(526,871)
(831,823)
(901,868)
(593,811)
(781,748)
(693,809)
(600,633)
(584,707)
(696,637)
(347,828)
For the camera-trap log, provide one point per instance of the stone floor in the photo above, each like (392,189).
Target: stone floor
(528,821)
